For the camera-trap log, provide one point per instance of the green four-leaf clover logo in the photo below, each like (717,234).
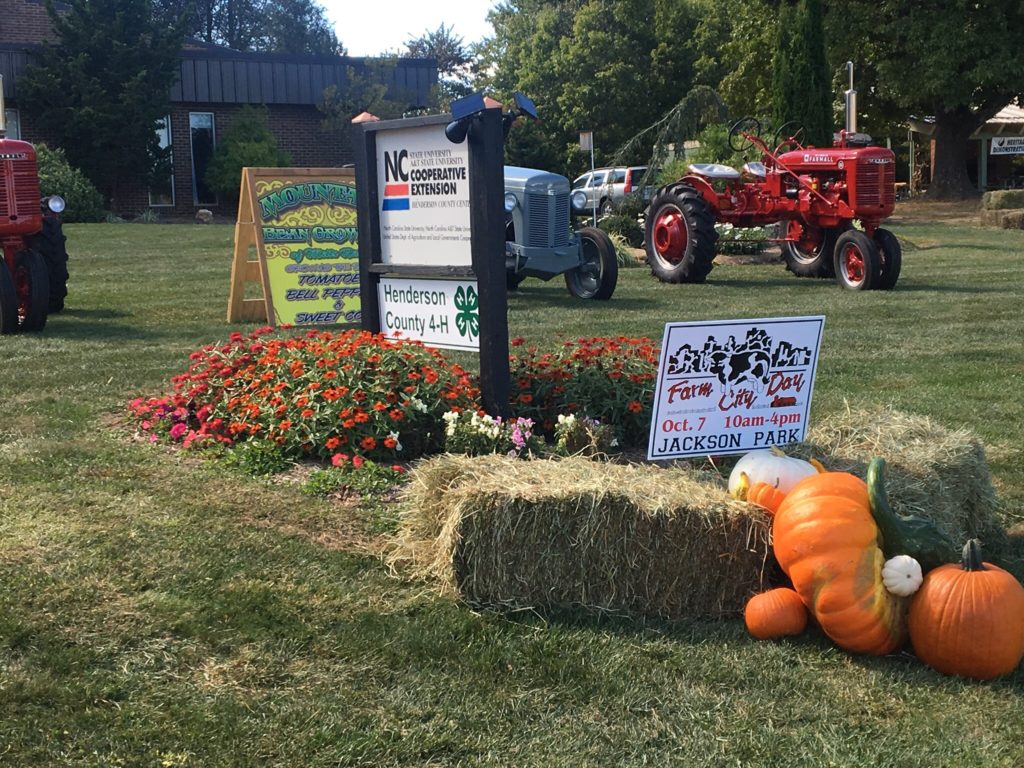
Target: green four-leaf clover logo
(468,318)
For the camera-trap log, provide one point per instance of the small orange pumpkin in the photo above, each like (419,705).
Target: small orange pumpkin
(967,618)
(775,613)
(766,496)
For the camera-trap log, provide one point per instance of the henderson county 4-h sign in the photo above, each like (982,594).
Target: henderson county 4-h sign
(733,386)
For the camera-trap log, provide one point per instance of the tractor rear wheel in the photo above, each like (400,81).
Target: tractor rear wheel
(680,235)
(50,242)
(8,300)
(598,272)
(809,252)
(857,262)
(892,259)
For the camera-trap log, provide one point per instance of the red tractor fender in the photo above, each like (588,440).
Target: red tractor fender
(705,189)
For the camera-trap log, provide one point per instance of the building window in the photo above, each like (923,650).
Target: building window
(13,124)
(201,127)
(161,193)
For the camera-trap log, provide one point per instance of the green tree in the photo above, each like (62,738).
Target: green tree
(801,83)
(297,26)
(247,142)
(957,61)
(611,66)
(730,44)
(101,90)
(456,63)
(281,26)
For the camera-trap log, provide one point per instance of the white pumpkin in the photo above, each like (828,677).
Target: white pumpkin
(902,575)
(771,466)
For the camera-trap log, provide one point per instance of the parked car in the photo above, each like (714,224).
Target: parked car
(606,187)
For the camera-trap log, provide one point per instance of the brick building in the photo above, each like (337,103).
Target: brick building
(213,84)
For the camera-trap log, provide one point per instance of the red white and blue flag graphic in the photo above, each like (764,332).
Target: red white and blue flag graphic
(396,197)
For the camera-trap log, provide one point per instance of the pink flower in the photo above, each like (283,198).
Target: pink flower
(357,461)
(339,459)
(178,430)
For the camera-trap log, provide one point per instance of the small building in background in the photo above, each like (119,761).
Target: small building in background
(213,85)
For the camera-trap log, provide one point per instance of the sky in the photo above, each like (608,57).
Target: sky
(370,27)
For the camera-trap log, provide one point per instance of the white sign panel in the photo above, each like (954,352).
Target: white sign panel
(423,181)
(440,313)
(734,385)
(1007,145)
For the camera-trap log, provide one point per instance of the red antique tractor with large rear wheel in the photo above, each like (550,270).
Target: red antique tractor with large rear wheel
(33,267)
(815,194)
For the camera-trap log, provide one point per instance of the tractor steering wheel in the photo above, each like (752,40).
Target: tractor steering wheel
(786,135)
(746,125)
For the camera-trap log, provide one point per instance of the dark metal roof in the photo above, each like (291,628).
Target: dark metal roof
(221,76)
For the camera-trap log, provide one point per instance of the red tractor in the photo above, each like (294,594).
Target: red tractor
(33,272)
(814,193)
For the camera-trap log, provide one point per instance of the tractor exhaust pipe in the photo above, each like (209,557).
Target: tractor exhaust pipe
(3,114)
(851,103)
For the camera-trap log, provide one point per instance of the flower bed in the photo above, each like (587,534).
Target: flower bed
(351,397)
(336,397)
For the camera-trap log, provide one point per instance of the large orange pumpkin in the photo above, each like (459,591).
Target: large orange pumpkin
(968,618)
(827,542)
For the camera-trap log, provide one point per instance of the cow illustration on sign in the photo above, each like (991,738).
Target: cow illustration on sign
(732,362)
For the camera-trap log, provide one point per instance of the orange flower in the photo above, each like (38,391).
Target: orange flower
(332,443)
(390,442)
(368,443)
(634,407)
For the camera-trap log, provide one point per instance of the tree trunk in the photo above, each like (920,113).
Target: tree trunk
(952,134)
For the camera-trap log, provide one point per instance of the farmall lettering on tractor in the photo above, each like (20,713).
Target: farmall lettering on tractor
(816,194)
(33,272)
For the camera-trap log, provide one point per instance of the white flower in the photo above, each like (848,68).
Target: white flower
(394,436)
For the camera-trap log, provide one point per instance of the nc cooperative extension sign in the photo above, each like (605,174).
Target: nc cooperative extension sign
(734,385)
(424,210)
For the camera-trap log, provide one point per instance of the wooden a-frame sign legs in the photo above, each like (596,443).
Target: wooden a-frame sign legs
(247,267)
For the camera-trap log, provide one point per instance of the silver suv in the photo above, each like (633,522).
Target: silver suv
(605,187)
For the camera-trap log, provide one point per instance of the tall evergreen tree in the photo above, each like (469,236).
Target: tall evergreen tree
(801,83)
(102,88)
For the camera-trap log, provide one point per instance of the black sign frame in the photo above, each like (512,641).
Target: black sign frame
(487,241)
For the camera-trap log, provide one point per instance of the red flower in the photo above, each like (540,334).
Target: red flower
(634,407)
(332,443)
(368,443)
(390,442)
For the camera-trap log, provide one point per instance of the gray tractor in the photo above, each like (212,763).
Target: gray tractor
(541,239)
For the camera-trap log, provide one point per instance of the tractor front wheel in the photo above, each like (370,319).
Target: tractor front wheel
(680,235)
(8,300)
(808,250)
(50,242)
(892,259)
(857,262)
(598,272)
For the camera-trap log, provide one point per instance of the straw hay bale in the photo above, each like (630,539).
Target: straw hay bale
(934,472)
(549,533)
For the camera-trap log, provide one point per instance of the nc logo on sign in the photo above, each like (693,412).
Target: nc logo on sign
(396,181)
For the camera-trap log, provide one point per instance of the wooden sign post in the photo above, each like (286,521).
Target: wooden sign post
(296,248)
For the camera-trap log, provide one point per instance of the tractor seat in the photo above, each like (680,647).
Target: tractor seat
(755,169)
(715,171)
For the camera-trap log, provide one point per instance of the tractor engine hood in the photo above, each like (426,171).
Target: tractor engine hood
(530,180)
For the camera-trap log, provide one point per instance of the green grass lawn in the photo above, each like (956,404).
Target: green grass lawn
(158,610)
